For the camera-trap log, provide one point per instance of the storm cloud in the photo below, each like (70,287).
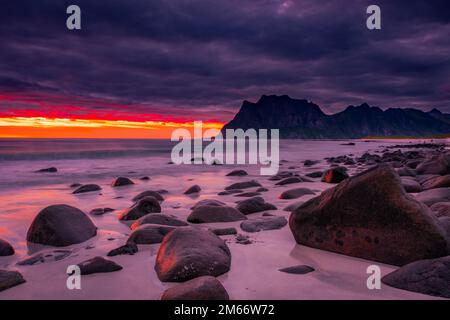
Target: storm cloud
(200,59)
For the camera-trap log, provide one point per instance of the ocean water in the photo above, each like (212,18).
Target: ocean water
(97,160)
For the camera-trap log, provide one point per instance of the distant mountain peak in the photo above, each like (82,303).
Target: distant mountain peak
(303,119)
(435,111)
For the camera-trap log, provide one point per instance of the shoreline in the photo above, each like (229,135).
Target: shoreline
(336,276)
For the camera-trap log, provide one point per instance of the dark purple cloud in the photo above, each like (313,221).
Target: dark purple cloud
(203,57)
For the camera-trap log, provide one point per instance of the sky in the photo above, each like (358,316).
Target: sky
(141,68)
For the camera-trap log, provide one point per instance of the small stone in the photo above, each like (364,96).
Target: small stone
(300,269)
(9,279)
(98,265)
(121,181)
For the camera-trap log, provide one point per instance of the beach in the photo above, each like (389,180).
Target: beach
(254,271)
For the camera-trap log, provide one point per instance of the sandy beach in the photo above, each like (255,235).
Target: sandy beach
(254,272)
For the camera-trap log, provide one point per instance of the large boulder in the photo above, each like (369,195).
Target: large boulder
(208,213)
(437,182)
(432,196)
(263,223)
(147,193)
(158,218)
(252,205)
(201,288)
(6,248)
(9,279)
(149,234)
(98,265)
(370,216)
(87,188)
(141,208)
(430,277)
(188,252)
(439,164)
(295,193)
(61,225)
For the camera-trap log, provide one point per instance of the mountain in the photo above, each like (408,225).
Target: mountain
(299,119)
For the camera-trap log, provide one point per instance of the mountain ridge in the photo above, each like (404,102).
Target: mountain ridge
(300,118)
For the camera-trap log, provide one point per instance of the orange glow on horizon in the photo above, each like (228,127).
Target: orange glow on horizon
(42,127)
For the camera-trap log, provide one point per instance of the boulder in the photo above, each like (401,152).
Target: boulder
(208,213)
(335,175)
(208,202)
(411,185)
(193,189)
(87,188)
(141,208)
(315,174)
(201,288)
(243,185)
(129,249)
(263,223)
(308,163)
(431,277)
(300,269)
(252,205)
(147,193)
(295,193)
(439,164)
(158,218)
(121,181)
(291,180)
(237,173)
(437,182)
(9,279)
(6,248)
(188,252)
(149,234)
(432,196)
(224,231)
(370,216)
(61,225)
(98,265)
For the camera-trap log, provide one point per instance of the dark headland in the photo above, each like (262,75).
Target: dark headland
(302,119)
